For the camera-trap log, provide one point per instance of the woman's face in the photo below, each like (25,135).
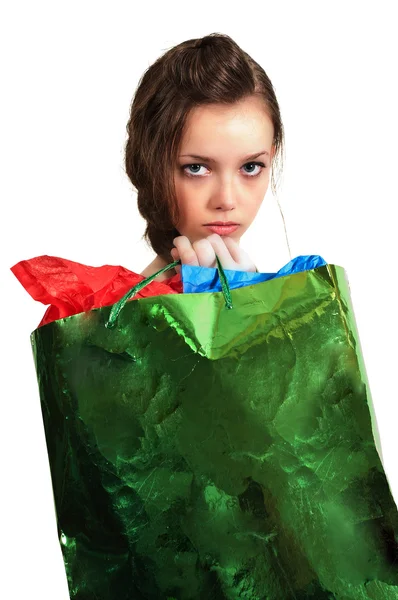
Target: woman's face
(224,184)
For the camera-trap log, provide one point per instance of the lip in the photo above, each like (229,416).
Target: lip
(222,223)
(222,229)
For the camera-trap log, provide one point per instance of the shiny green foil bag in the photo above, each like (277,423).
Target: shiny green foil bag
(218,445)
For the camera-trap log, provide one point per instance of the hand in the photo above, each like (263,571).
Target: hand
(202,253)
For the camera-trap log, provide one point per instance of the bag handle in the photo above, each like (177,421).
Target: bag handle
(119,305)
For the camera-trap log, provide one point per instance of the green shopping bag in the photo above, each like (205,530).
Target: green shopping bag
(218,445)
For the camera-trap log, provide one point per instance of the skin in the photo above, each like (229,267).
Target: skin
(228,188)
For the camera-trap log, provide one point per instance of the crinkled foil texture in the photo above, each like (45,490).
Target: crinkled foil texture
(198,452)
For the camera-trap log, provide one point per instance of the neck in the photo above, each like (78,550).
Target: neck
(155,266)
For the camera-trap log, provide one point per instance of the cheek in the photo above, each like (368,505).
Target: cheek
(182,193)
(255,202)
(251,210)
(189,202)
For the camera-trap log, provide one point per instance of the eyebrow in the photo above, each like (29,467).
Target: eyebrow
(208,159)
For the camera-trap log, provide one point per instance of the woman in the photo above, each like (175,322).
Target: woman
(257,477)
(203,135)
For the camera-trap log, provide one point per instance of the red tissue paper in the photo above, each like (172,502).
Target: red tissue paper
(70,287)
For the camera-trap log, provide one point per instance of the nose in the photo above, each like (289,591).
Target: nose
(224,197)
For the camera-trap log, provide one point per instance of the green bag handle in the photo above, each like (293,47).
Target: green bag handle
(118,306)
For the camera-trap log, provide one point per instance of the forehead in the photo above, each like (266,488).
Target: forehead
(245,123)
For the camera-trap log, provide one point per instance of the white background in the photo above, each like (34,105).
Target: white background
(69,71)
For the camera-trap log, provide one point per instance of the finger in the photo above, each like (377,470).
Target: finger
(237,253)
(205,253)
(176,256)
(240,256)
(186,252)
(222,251)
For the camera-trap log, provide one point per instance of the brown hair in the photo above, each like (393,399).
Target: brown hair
(211,69)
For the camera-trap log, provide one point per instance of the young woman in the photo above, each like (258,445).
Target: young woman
(204,134)
(241,486)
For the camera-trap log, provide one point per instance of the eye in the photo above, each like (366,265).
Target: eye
(189,166)
(197,174)
(256,164)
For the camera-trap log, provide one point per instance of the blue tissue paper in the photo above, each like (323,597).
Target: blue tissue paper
(205,279)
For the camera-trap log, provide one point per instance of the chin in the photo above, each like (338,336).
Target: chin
(236,236)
